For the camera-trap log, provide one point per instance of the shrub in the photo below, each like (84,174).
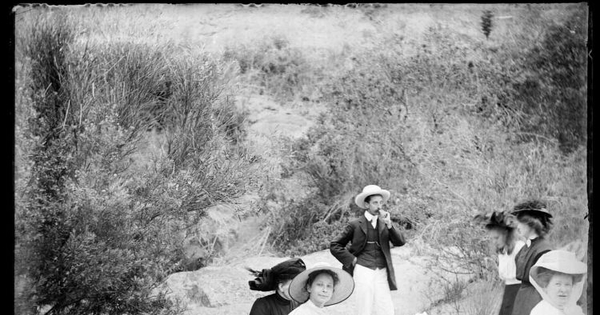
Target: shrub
(354,145)
(553,89)
(486,23)
(311,232)
(97,226)
(279,69)
(458,151)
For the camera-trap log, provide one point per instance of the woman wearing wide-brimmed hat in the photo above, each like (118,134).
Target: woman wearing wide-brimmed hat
(533,223)
(559,278)
(319,287)
(278,279)
(501,228)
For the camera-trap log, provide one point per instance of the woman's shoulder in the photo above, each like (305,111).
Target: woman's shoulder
(543,245)
(574,310)
(262,302)
(260,306)
(545,308)
(266,297)
(301,310)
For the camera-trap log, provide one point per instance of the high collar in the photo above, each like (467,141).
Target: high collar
(369,216)
(532,240)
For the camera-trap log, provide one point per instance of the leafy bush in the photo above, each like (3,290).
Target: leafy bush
(97,225)
(354,145)
(553,88)
(310,234)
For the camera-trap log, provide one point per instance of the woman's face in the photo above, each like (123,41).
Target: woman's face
(283,289)
(559,289)
(524,230)
(498,238)
(321,289)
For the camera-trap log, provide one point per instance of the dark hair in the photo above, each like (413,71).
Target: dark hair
(528,212)
(541,224)
(268,279)
(511,237)
(313,275)
(544,275)
(367,198)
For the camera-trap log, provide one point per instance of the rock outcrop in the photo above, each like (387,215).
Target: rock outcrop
(221,290)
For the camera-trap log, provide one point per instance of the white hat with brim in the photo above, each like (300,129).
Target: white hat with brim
(342,290)
(560,261)
(369,191)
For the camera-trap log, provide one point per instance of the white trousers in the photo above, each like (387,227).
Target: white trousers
(372,292)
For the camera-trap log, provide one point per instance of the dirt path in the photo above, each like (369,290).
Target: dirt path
(209,291)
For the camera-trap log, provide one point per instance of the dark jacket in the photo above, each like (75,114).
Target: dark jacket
(273,304)
(356,233)
(527,296)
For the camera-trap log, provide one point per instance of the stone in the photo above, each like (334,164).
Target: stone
(225,290)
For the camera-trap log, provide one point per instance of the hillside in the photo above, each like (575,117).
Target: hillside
(188,141)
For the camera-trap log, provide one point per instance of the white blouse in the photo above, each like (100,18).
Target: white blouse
(507,268)
(309,308)
(545,308)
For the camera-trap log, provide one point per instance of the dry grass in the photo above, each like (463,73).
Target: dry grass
(463,168)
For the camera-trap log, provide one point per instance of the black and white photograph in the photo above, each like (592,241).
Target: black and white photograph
(302,159)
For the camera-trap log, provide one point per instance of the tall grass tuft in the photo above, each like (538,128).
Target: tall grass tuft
(272,66)
(100,224)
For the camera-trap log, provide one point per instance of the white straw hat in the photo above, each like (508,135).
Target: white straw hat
(369,191)
(561,261)
(564,262)
(342,290)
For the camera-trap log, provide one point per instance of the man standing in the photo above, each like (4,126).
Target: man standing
(368,258)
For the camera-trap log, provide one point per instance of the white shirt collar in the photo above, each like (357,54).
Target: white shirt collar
(529,240)
(370,217)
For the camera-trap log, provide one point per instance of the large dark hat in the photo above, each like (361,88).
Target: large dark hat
(533,207)
(266,280)
(496,219)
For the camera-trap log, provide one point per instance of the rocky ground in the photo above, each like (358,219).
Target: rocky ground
(223,289)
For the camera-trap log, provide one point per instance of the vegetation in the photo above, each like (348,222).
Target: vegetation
(97,226)
(446,144)
(272,66)
(486,23)
(123,146)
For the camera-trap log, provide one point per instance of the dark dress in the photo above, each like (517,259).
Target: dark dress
(527,296)
(508,299)
(272,304)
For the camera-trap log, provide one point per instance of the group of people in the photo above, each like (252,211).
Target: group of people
(538,280)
